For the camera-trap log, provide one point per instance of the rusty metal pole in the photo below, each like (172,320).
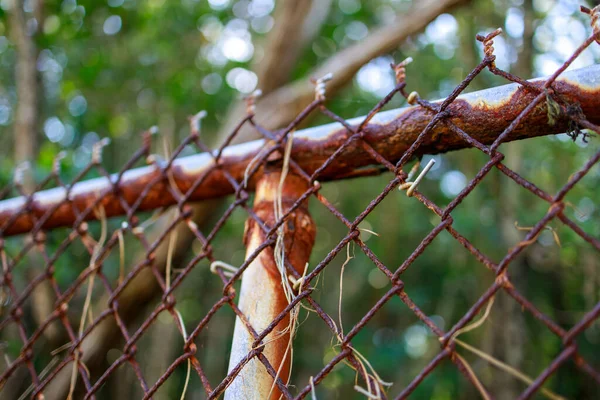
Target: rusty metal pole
(262,295)
(484,115)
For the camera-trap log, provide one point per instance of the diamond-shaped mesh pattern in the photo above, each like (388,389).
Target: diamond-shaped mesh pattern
(83,315)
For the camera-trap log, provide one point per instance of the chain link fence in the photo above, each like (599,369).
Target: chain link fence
(102,302)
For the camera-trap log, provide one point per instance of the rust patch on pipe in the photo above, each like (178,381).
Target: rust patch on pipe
(262,297)
(483,115)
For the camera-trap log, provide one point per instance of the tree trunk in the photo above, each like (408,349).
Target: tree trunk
(27,113)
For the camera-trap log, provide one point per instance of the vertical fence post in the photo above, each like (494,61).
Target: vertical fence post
(262,296)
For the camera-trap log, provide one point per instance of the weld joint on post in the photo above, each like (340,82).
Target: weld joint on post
(488,45)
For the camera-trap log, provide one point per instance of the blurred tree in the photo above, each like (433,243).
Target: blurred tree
(82,70)
(26,83)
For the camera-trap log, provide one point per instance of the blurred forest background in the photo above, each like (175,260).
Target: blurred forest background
(73,72)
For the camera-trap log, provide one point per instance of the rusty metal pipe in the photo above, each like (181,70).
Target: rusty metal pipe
(483,115)
(262,295)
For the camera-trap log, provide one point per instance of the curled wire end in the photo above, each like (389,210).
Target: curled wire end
(488,44)
(594,13)
(251,101)
(400,69)
(490,35)
(147,137)
(412,98)
(20,170)
(56,163)
(97,150)
(195,121)
(320,86)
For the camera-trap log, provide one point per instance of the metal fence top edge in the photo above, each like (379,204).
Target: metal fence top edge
(587,78)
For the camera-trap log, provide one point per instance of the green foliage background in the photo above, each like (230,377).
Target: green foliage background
(151,72)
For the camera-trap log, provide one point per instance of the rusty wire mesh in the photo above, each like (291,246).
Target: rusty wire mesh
(42,375)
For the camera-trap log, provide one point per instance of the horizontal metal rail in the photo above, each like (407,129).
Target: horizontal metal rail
(484,115)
